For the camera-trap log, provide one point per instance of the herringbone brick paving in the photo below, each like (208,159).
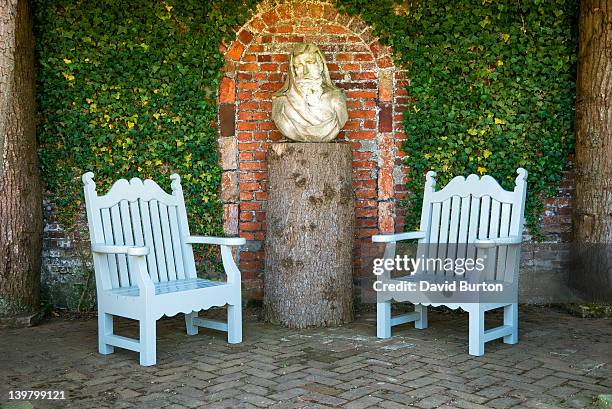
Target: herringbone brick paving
(560,361)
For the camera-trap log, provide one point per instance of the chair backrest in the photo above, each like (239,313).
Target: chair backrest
(473,208)
(142,214)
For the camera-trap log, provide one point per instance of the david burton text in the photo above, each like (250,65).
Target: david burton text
(427,286)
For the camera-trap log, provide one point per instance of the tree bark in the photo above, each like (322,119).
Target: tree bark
(309,236)
(592,206)
(20,188)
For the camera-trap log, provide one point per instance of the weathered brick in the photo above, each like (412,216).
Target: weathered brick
(249,67)
(385,118)
(361,94)
(251,206)
(230,219)
(258,24)
(228,149)
(246,196)
(246,186)
(384,62)
(249,58)
(227,91)
(386,221)
(229,187)
(244,85)
(244,136)
(247,126)
(253,166)
(235,51)
(245,37)
(270,17)
(227,118)
(250,226)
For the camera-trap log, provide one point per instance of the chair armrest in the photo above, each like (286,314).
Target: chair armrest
(229,265)
(143,280)
(138,263)
(223,241)
(390,238)
(112,249)
(504,241)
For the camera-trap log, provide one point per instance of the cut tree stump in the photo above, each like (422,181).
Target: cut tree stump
(309,237)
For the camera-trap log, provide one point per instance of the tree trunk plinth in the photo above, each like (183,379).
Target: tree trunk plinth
(309,237)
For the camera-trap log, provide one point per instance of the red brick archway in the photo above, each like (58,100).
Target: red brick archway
(256,65)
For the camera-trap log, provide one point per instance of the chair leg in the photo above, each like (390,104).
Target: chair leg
(421,323)
(383,319)
(105,327)
(234,324)
(148,340)
(191,329)
(511,319)
(477,324)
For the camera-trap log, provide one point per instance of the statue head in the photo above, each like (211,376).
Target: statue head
(308,71)
(309,108)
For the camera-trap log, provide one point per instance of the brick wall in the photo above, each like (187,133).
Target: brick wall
(257,63)
(557,218)
(66,263)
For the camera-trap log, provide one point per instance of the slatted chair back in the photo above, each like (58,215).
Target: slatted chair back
(472,208)
(139,213)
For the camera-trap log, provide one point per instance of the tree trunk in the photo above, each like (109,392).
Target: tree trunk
(593,160)
(20,189)
(309,237)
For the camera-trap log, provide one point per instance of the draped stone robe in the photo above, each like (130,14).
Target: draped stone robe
(302,121)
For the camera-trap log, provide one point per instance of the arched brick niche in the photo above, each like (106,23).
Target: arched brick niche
(256,65)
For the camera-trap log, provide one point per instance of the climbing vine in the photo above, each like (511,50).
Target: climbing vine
(492,88)
(127,88)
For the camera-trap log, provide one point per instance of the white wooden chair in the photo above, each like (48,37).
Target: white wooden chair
(144,265)
(480,217)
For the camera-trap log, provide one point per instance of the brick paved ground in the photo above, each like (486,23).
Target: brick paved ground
(561,361)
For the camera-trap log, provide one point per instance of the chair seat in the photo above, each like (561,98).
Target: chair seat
(173,286)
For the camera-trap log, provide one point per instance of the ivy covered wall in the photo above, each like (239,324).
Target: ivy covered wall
(128,89)
(492,88)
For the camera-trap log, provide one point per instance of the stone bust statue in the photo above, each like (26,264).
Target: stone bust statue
(309,108)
